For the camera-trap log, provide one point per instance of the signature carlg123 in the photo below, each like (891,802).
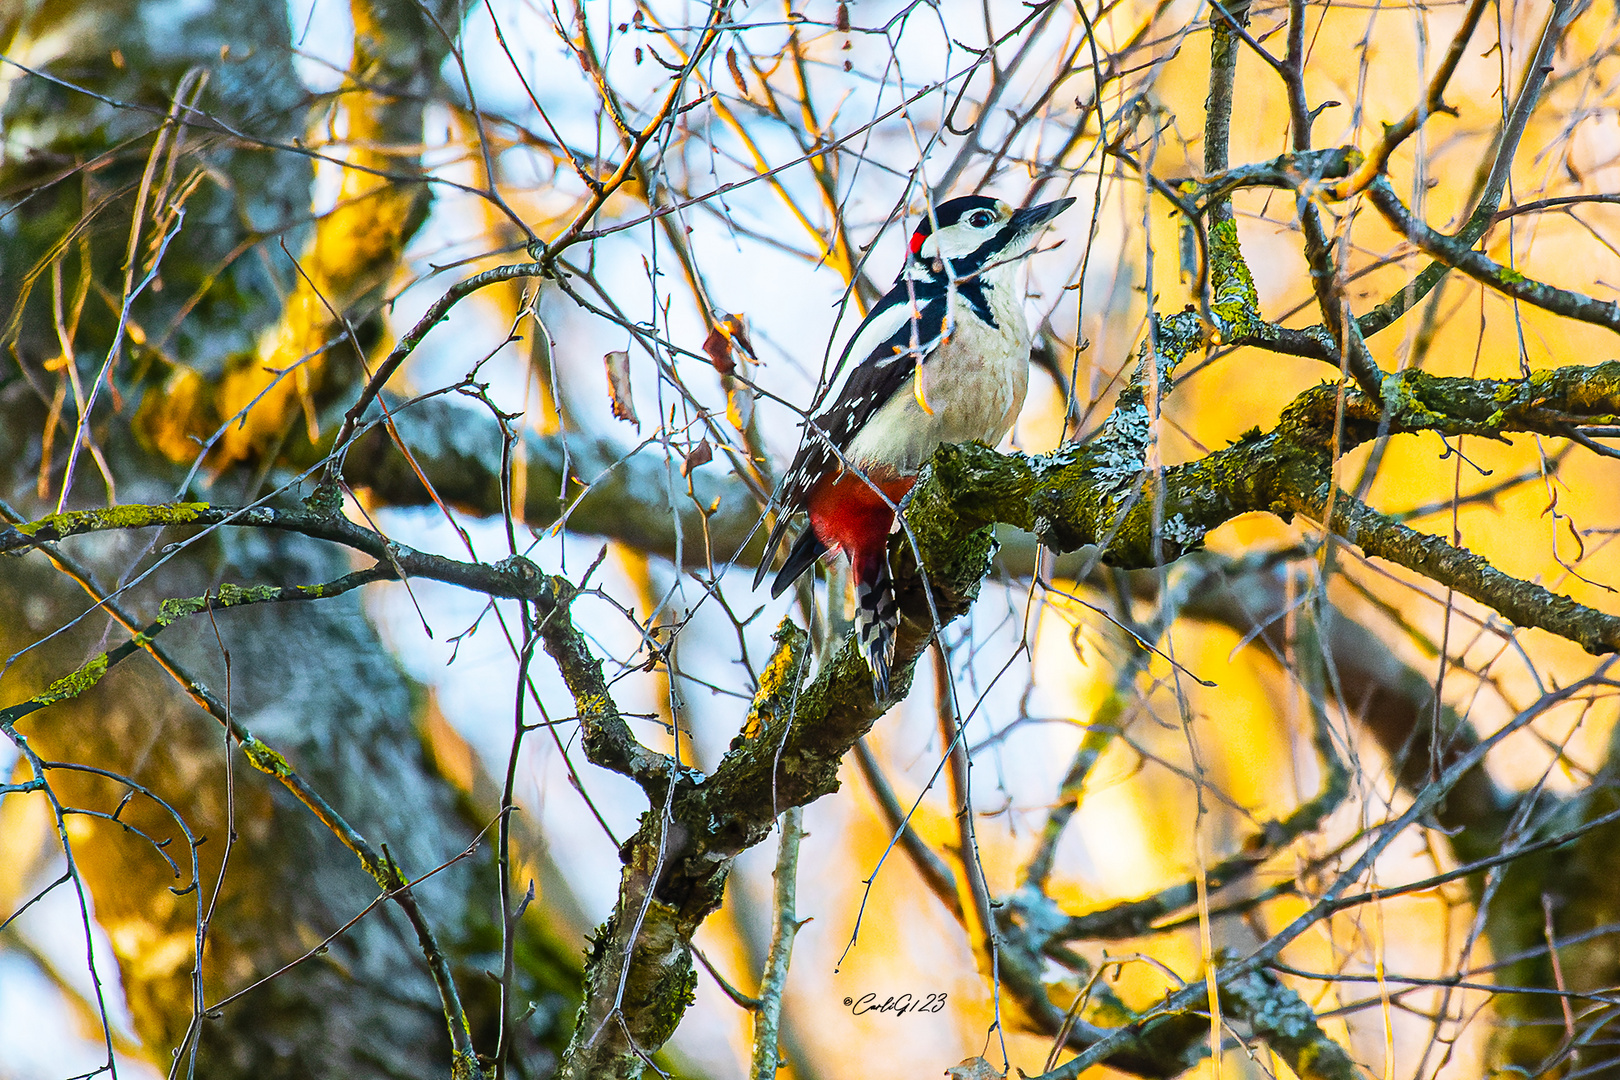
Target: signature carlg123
(899,1006)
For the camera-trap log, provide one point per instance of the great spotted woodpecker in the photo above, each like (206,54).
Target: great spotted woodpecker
(943,358)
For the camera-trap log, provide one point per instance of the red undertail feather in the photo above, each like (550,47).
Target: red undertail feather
(849,515)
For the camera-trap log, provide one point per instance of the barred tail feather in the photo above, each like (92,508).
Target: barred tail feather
(877,619)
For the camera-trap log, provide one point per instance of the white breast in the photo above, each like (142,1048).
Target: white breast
(973,385)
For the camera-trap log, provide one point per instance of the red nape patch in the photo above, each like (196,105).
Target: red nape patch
(848,515)
(917,239)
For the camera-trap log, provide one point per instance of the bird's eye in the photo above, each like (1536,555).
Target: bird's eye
(980,218)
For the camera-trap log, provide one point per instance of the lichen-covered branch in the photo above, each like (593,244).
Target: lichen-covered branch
(1286,1023)
(512,578)
(1522,602)
(788,754)
(639,975)
(1092,495)
(91,671)
(1285,172)
(1338,325)
(608,739)
(1226,21)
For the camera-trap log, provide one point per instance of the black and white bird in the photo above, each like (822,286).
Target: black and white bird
(942,358)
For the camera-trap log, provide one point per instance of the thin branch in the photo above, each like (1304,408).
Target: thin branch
(1535,78)
(1455,253)
(1433,101)
(785,924)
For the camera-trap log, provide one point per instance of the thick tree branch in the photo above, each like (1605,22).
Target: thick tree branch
(573,482)
(789,753)
(1288,1025)
(1521,602)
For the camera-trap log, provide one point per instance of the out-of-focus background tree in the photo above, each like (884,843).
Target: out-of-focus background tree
(390,395)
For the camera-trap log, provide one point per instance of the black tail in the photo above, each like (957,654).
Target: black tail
(772,540)
(805,552)
(877,618)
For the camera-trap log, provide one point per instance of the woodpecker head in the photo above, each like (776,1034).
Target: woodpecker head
(979,236)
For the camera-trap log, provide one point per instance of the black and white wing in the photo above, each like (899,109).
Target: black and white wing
(899,333)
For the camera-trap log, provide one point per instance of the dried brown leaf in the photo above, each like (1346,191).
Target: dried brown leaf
(736,72)
(974,1068)
(718,346)
(701,454)
(737,326)
(732,330)
(618,373)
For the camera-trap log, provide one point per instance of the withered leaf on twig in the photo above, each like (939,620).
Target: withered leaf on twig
(736,72)
(975,1068)
(718,344)
(618,373)
(740,406)
(737,327)
(701,454)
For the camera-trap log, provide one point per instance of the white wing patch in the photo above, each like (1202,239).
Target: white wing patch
(882,324)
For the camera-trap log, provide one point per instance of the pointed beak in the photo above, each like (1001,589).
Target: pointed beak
(1032,219)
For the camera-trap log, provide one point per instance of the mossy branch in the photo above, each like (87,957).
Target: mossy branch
(1098,494)
(1288,1025)
(171,611)
(608,739)
(516,579)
